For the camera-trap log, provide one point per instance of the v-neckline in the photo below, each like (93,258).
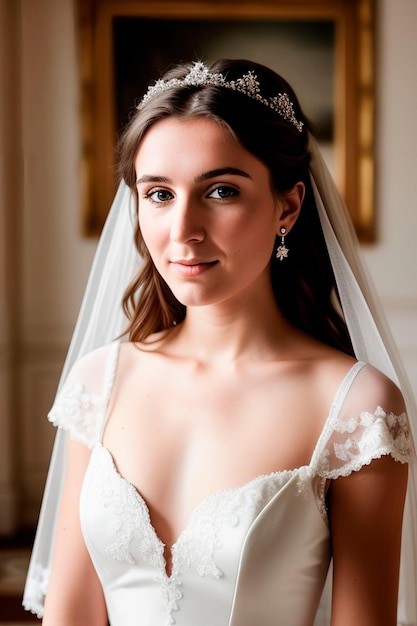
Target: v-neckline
(164,548)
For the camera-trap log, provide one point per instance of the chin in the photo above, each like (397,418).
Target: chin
(191,297)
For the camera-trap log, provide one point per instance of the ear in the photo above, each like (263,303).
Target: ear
(290,205)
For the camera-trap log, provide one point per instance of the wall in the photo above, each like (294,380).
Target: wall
(53,265)
(10,173)
(393,261)
(55,257)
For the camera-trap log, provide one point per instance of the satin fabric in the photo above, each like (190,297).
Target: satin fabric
(270,553)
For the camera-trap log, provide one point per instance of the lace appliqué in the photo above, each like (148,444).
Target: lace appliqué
(136,539)
(308,481)
(356,441)
(197,545)
(35,590)
(79,412)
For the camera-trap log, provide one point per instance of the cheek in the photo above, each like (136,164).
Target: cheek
(258,237)
(149,231)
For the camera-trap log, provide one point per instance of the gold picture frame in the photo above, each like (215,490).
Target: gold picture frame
(351,50)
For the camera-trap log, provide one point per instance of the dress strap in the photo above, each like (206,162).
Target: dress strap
(344,388)
(109,378)
(335,408)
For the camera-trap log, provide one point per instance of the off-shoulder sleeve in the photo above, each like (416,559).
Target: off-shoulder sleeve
(81,405)
(354,435)
(358,440)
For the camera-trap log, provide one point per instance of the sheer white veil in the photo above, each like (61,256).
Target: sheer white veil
(373,343)
(101,320)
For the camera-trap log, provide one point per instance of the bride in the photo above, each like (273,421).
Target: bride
(247,430)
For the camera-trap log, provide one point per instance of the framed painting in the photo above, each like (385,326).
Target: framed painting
(324,48)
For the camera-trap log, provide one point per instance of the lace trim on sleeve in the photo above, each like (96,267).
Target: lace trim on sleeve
(356,441)
(80,411)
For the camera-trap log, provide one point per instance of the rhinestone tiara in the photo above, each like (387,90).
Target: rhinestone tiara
(248,84)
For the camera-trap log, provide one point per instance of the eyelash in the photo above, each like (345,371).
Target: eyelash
(149,195)
(230,191)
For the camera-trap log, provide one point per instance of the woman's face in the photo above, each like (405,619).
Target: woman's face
(207,212)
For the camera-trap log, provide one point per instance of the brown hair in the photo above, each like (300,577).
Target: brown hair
(304,285)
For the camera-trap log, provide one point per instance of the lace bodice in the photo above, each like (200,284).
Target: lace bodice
(265,539)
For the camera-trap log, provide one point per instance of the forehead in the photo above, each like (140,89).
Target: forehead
(195,144)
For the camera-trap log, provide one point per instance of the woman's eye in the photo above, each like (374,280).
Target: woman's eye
(223,193)
(159,196)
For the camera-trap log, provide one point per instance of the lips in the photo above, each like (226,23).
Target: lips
(192,267)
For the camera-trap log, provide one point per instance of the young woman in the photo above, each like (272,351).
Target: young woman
(248,432)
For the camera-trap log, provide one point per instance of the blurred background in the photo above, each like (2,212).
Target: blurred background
(45,258)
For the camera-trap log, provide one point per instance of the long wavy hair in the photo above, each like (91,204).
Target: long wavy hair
(304,285)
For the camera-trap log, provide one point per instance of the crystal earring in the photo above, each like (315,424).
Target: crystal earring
(282,250)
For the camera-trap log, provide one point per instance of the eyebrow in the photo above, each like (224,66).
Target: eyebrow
(234,171)
(152,179)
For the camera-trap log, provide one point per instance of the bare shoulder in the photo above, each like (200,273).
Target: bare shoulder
(325,369)
(150,360)
(367,389)
(372,390)
(138,354)
(331,366)
(94,359)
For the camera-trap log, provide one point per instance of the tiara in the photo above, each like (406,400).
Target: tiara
(248,84)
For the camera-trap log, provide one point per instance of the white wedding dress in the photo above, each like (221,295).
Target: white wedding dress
(257,554)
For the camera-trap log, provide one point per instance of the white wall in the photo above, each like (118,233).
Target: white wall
(55,257)
(393,261)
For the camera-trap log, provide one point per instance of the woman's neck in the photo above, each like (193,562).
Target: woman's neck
(235,331)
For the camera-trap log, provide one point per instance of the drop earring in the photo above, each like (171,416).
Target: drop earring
(282,250)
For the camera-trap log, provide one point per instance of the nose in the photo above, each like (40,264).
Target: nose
(187,221)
